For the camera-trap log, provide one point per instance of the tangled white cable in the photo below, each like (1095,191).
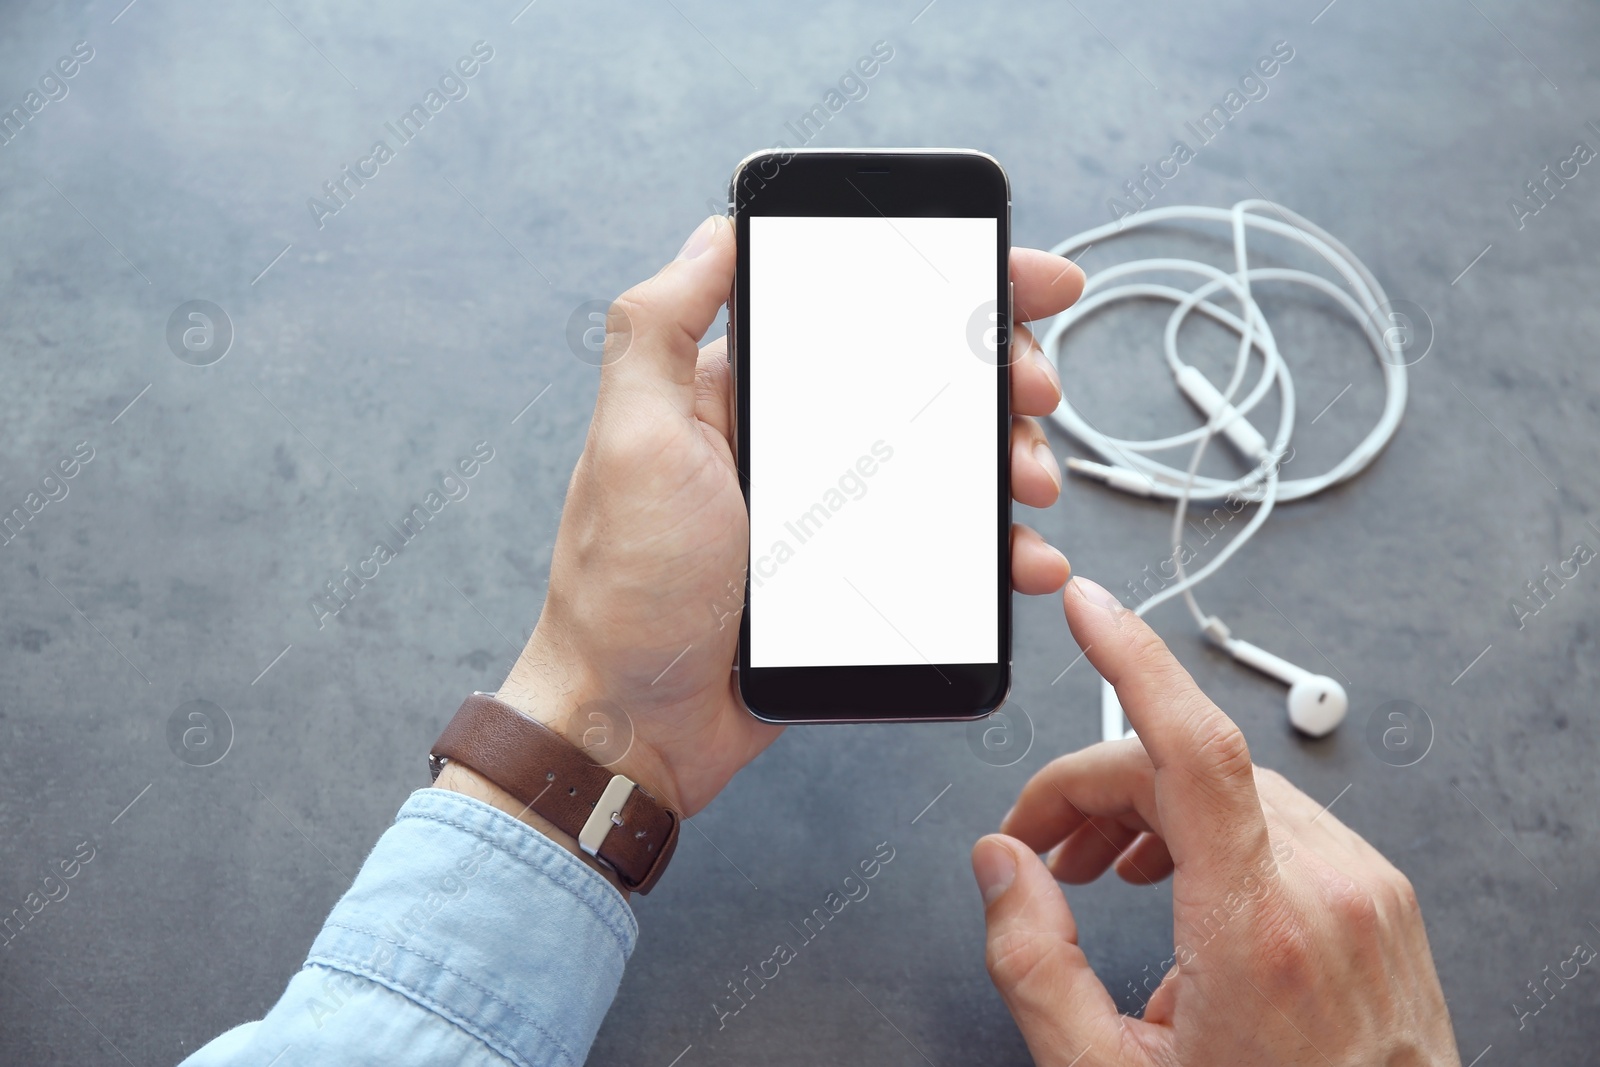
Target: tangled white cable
(1316,703)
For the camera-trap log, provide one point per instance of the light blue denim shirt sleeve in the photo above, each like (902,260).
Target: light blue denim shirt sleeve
(467,938)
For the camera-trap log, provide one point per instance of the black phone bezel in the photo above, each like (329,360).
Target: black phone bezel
(910,183)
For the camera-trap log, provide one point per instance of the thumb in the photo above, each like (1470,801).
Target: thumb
(653,330)
(1063,1011)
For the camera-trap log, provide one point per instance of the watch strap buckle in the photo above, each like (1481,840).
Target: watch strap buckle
(607,814)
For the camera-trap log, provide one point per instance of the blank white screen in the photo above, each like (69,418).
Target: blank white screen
(872,438)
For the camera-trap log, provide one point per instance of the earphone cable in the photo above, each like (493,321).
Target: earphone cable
(1126,464)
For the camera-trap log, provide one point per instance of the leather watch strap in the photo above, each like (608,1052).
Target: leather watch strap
(614,819)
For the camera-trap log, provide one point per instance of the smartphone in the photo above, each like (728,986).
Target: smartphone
(869,332)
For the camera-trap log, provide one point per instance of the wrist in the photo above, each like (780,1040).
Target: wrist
(551,687)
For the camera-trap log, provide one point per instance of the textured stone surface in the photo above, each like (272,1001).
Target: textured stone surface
(420,319)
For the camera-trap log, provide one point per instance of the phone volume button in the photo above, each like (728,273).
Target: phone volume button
(1011,311)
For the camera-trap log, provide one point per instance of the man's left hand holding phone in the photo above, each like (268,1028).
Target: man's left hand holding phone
(648,571)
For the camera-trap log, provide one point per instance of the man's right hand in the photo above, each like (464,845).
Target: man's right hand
(1295,942)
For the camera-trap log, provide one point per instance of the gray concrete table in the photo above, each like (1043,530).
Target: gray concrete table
(369,344)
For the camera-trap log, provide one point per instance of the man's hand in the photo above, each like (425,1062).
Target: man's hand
(1295,942)
(647,577)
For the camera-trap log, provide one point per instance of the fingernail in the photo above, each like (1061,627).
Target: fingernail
(1047,460)
(995,869)
(1006,820)
(1096,595)
(701,238)
(1048,368)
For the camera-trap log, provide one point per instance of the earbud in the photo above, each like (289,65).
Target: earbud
(1317,703)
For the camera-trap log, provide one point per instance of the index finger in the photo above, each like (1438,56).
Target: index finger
(1210,813)
(1043,284)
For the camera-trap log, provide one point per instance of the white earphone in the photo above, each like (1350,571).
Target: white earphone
(1317,703)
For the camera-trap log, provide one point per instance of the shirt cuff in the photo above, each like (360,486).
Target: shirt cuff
(481,919)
